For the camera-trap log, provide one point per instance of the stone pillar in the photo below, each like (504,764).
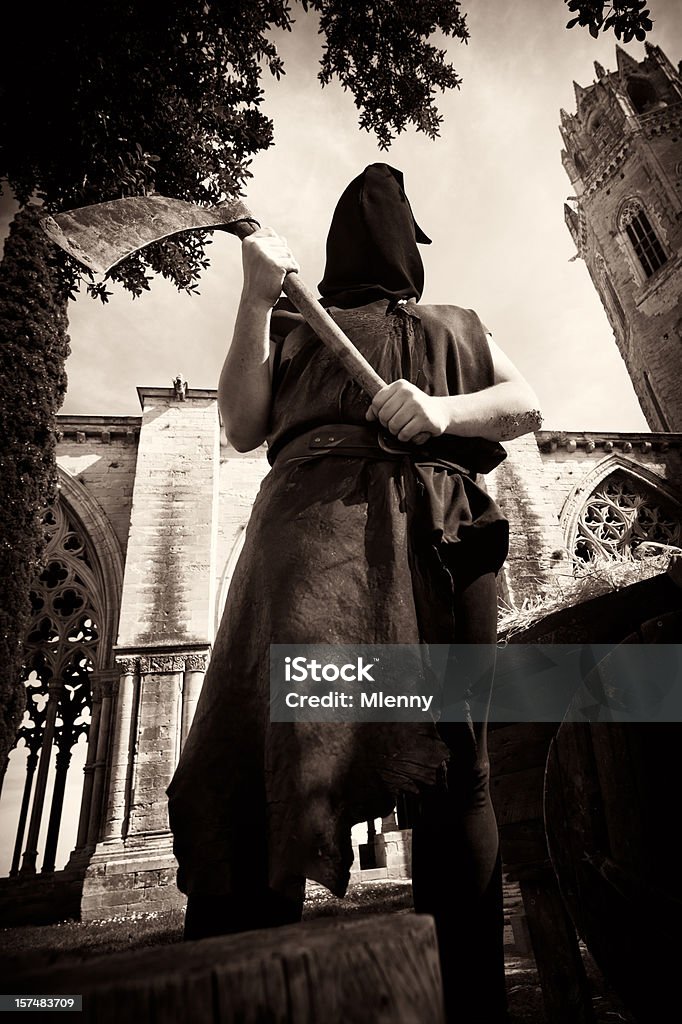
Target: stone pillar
(195,670)
(94,818)
(31,763)
(157,741)
(89,767)
(90,822)
(133,866)
(31,853)
(165,635)
(63,760)
(121,752)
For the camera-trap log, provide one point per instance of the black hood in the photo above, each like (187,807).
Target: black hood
(372,243)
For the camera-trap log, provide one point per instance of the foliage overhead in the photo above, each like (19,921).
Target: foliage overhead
(385,59)
(143,97)
(129,97)
(629,19)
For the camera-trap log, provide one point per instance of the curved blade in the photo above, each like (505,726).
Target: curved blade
(102,235)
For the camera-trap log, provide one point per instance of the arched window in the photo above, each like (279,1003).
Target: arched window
(624,516)
(600,129)
(643,95)
(60,655)
(579,164)
(646,246)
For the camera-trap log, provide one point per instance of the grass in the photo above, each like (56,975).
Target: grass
(31,948)
(37,947)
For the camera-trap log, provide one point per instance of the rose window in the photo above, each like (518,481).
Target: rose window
(624,517)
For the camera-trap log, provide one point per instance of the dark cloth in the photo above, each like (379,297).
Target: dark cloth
(337,551)
(372,243)
(456,869)
(456,866)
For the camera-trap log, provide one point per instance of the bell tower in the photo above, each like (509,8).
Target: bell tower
(623,154)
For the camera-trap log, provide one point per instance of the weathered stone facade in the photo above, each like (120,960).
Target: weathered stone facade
(624,158)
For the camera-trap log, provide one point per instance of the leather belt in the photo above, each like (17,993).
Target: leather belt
(355,441)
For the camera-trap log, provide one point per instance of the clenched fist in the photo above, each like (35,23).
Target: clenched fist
(407,412)
(266,259)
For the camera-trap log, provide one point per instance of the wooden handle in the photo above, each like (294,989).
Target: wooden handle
(327,330)
(331,334)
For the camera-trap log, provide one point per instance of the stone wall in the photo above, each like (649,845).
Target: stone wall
(168,592)
(573,465)
(100,452)
(240,478)
(519,485)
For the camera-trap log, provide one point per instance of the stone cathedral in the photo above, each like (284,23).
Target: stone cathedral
(152,511)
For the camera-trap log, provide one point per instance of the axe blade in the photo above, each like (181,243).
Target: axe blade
(102,235)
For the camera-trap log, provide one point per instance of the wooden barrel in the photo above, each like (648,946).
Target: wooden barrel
(611,813)
(370,970)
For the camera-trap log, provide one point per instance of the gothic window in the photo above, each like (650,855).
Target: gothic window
(646,246)
(60,654)
(643,95)
(625,517)
(598,128)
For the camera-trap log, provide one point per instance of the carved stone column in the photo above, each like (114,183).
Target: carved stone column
(63,761)
(133,866)
(31,853)
(89,767)
(120,753)
(90,823)
(157,738)
(195,670)
(94,820)
(31,763)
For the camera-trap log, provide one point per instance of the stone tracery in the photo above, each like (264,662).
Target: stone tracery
(61,649)
(624,517)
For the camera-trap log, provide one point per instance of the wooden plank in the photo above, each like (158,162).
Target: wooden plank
(574,817)
(513,748)
(518,795)
(565,990)
(523,842)
(618,764)
(371,970)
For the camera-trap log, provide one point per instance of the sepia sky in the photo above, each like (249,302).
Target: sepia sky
(489,192)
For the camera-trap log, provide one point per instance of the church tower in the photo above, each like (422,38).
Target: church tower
(623,154)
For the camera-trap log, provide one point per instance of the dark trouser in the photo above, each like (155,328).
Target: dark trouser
(456,870)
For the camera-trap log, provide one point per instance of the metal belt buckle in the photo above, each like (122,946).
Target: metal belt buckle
(393,446)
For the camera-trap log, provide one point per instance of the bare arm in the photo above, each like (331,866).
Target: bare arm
(245,386)
(507,409)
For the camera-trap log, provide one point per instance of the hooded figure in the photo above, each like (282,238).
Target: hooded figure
(372,243)
(351,541)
